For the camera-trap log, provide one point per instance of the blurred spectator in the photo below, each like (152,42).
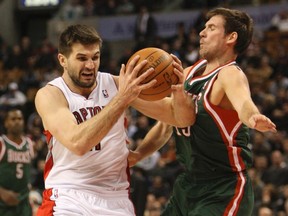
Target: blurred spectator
(14,98)
(259,70)
(125,7)
(149,163)
(138,190)
(160,188)
(46,58)
(89,8)
(261,164)
(280,21)
(15,59)
(265,211)
(142,128)
(145,29)
(192,54)
(110,7)
(180,34)
(200,20)
(177,49)
(27,50)
(260,144)
(72,10)
(285,149)
(277,173)
(257,187)
(155,209)
(269,196)
(125,55)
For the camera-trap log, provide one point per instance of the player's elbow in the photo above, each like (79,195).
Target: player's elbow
(78,147)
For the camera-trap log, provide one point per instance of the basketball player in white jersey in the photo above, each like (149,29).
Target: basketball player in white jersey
(86,171)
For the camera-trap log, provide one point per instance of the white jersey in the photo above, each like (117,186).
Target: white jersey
(104,169)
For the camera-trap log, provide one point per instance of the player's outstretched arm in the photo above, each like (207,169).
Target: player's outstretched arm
(158,136)
(236,87)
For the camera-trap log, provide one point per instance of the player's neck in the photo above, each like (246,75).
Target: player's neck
(15,138)
(213,64)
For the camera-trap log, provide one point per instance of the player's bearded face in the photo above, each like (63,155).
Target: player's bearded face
(79,79)
(83,63)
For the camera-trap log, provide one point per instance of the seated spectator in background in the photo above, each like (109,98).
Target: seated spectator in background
(72,10)
(89,8)
(280,21)
(180,34)
(277,173)
(110,7)
(261,144)
(125,7)
(13,97)
(265,211)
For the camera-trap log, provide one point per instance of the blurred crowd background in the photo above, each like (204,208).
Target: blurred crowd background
(28,65)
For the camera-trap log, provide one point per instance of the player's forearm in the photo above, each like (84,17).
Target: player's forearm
(247,110)
(184,111)
(91,132)
(154,139)
(159,110)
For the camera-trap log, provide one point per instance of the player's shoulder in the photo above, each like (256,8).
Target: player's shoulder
(232,69)
(47,91)
(231,72)
(49,94)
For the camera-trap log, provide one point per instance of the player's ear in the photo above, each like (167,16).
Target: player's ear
(232,37)
(62,60)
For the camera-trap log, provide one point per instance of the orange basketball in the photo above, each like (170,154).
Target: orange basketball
(161,61)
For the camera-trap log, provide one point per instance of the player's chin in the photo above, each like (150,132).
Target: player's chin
(87,83)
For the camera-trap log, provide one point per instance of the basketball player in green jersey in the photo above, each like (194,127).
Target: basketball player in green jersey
(214,148)
(16,152)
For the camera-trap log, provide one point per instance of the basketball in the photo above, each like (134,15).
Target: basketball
(161,61)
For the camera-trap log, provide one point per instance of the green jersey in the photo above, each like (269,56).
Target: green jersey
(215,153)
(15,162)
(217,144)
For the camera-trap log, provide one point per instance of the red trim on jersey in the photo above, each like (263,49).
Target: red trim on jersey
(229,124)
(200,61)
(48,136)
(233,207)
(46,208)
(49,159)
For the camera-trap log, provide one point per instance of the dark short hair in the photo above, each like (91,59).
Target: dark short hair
(78,33)
(236,21)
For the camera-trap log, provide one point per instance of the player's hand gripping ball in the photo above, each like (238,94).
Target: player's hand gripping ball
(161,61)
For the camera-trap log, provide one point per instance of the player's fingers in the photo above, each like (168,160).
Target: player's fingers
(134,66)
(148,84)
(134,61)
(180,75)
(122,69)
(176,59)
(144,75)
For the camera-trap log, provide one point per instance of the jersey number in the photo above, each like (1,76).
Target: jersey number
(183,131)
(19,171)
